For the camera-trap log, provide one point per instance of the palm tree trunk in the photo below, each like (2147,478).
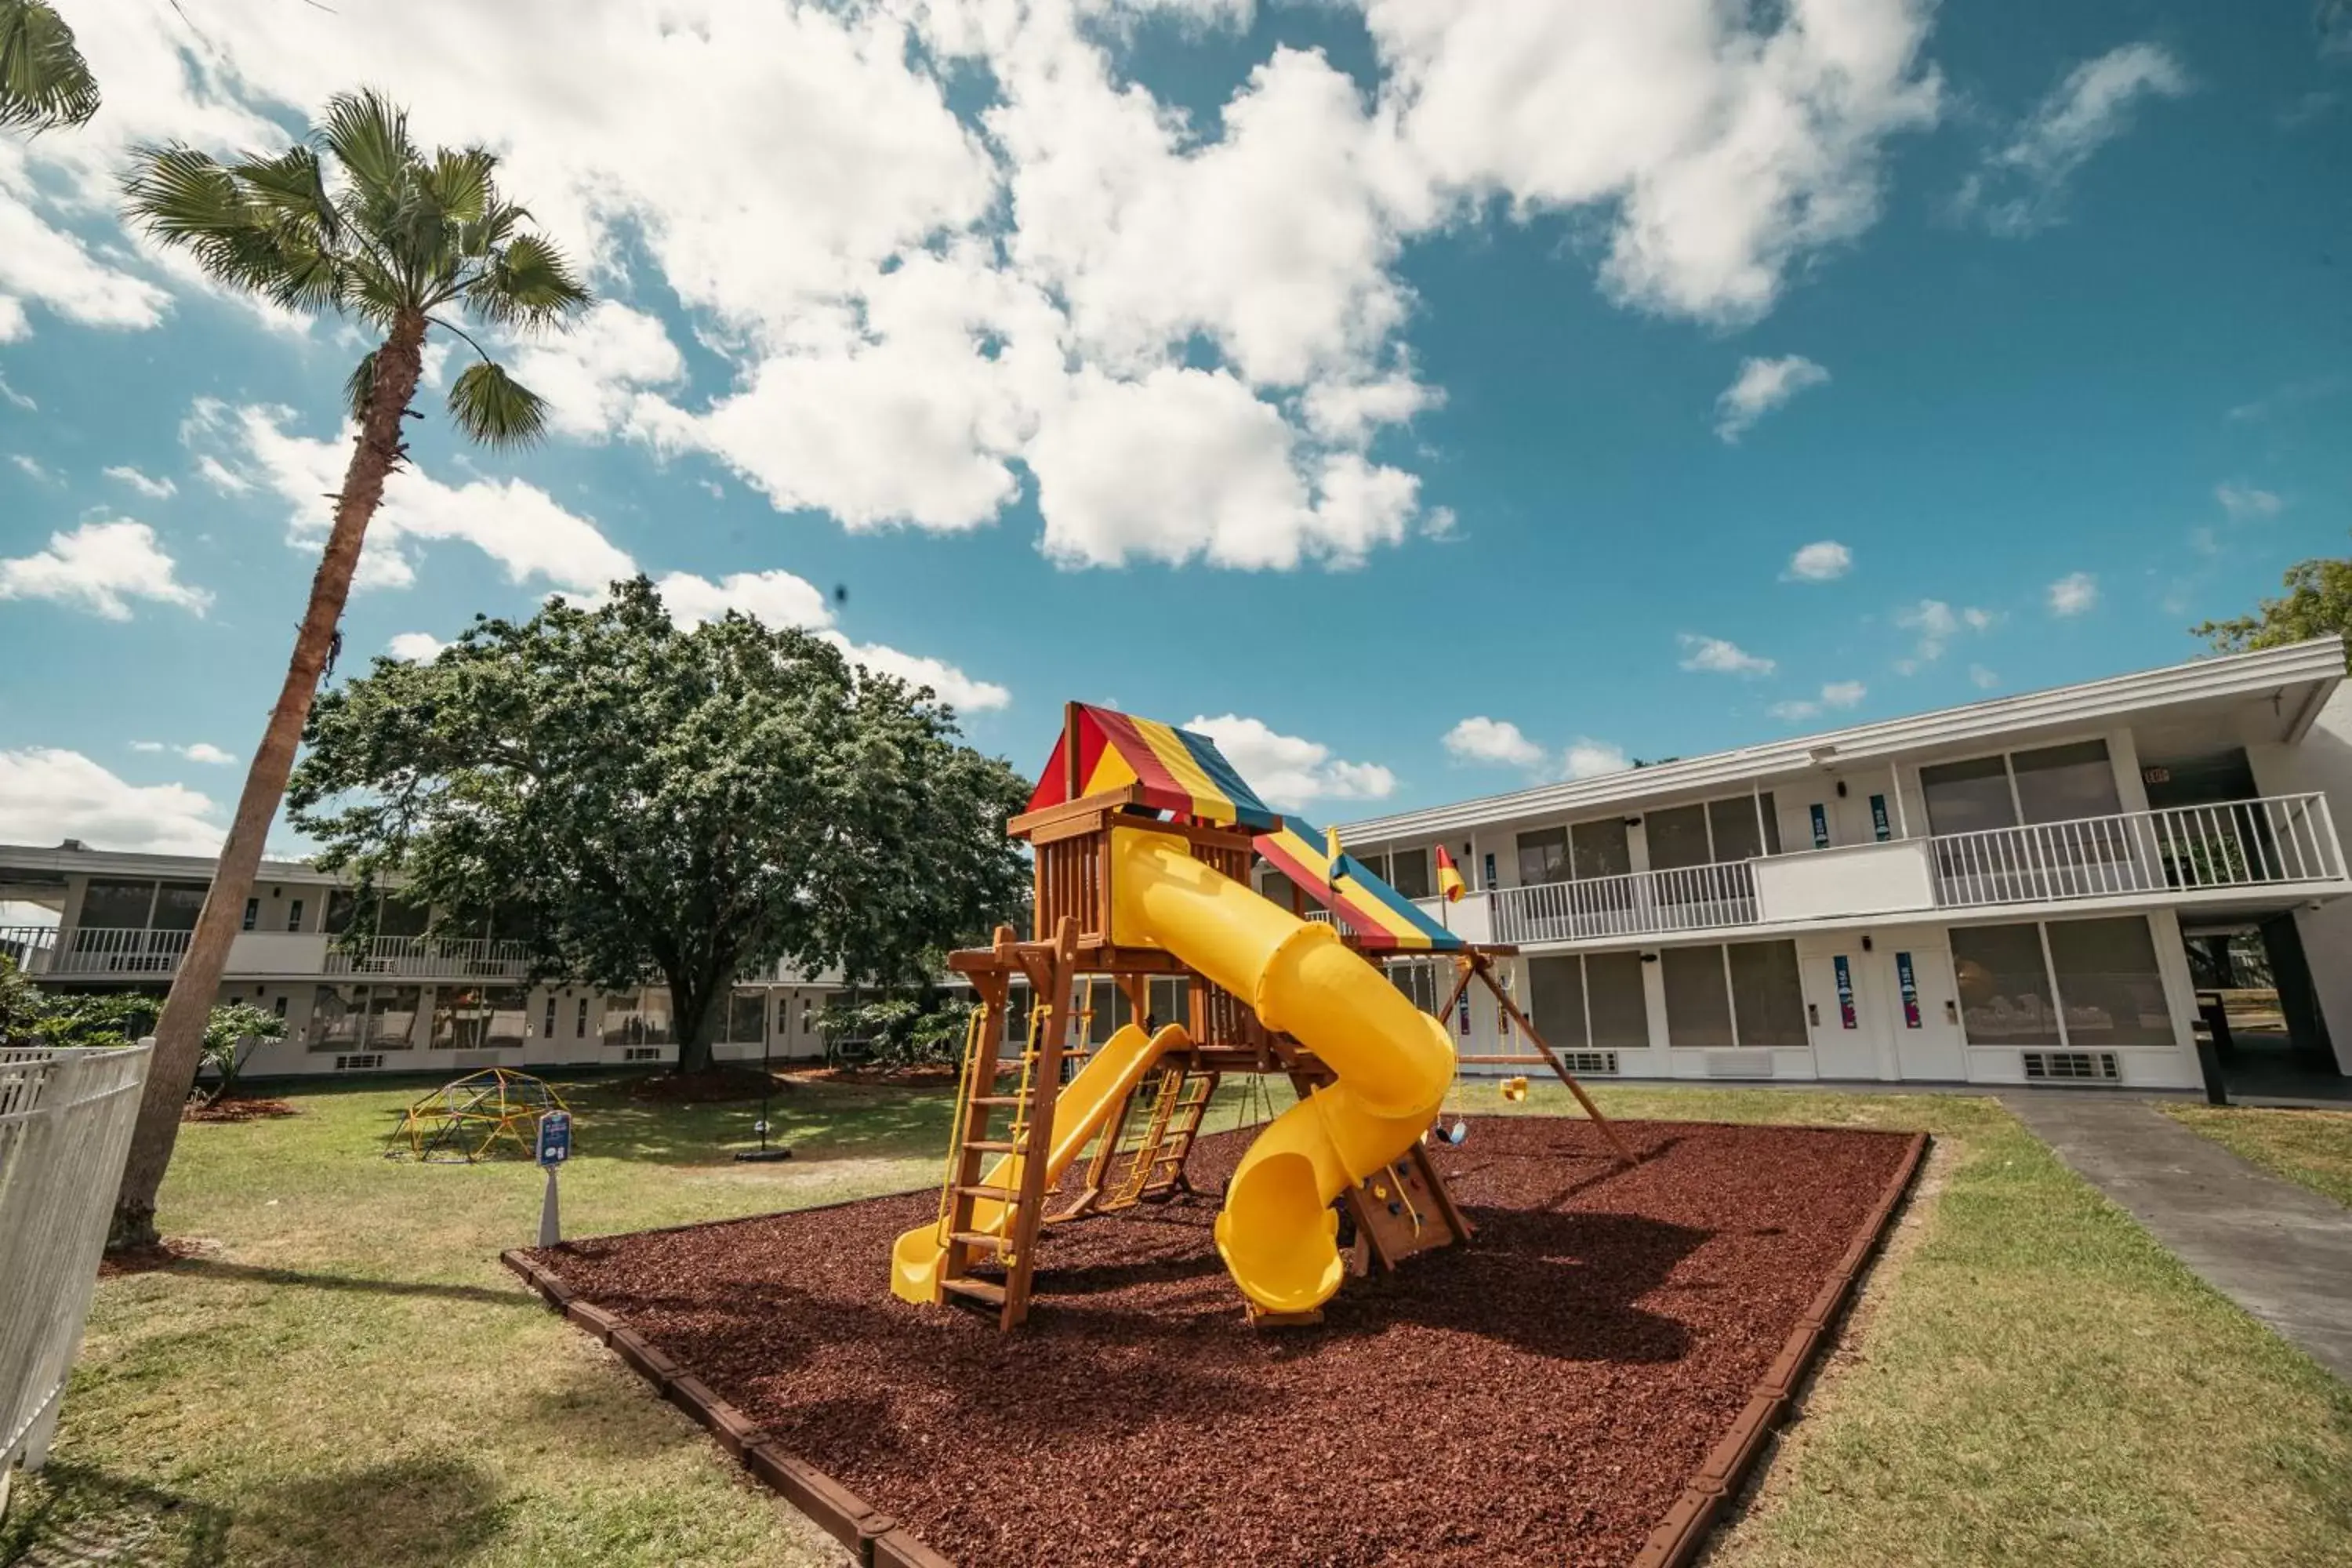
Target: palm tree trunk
(179,1035)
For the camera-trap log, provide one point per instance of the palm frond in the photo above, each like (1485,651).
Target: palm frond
(44,82)
(360,386)
(459,183)
(527,284)
(494,408)
(293,184)
(368,136)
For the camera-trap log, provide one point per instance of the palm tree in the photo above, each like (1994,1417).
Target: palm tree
(359,221)
(44,82)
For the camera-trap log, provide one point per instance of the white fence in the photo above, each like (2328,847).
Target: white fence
(66,1118)
(1687,897)
(2231,844)
(462,957)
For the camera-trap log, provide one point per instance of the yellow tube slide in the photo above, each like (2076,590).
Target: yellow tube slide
(1278,1232)
(1106,1079)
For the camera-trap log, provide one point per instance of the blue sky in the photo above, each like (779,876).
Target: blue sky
(1341,374)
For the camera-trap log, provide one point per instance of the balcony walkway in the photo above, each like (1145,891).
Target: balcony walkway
(2278,1250)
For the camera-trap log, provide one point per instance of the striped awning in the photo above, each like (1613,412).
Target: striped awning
(1177,770)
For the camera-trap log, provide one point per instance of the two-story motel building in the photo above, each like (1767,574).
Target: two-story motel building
(2027,889)
(2033,889)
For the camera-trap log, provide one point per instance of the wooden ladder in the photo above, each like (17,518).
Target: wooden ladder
(1158,1163)
(978,1142)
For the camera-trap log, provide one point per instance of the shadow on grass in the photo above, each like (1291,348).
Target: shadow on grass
(818,1121)
(401,1513)
(246,1273)
(70,1513)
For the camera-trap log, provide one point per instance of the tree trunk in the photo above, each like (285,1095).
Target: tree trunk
(691,1012)
(179,1034)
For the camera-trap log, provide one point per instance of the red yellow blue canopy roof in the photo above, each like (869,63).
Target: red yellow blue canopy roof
(1380,917)
(1176,770)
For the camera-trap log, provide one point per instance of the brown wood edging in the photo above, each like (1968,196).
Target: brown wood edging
(1718,1478)
(875,1539)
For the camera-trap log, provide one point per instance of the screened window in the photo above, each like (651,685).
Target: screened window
(1171,1001)
(747,1017)
(1600,848)
(460,1018)
(1698,1007)
(398,917)
(1556,987)
(1543,856)
(2005,996)
(392,1016)
(177,905)
(113,904)
(2059,783)
(342,909)
(1677,837)
(1733,825)
(1281,890)
(637,1018)
(1967,798)
(1619,1012)
(337,1018)
(2108,980)
(1767,997)
(1408,873)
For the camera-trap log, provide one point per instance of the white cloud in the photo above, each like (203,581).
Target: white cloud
(518,525)
(1936,624)
(9,395)
(415,646)
(954,685)
(1823,561)
(206,752)
(1720,657)
(101,567)
(1762,386)
(1289,772)
(2020,186)
(592,375)
(2245,503)
(31,468)
(153,489)
(44,262)
(1492,740)
(48,795)
(1836,694)
(1983,680)
(1587,758)
(2073,594)
(147,746)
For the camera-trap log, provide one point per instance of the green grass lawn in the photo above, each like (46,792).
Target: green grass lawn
(349,1376)
(2313,1147)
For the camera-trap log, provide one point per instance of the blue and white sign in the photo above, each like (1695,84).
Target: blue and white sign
(1910,982)
(1879,825)
(1821,826)
(1844,986)
(554,1138)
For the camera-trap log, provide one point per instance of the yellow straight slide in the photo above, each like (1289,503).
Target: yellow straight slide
(1277,1232)
(1106,1079)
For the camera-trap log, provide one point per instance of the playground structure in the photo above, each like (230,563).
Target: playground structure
(468,1118)
(1144,839)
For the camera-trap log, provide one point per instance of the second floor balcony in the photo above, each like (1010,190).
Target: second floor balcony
(129,952)
(2283,845)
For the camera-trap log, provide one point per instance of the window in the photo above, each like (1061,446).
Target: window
(2060,783)
(460,1017)
(1408,873)
(747,1017)
(2109,984)
(2005,996)
(1967,798)
(547,1028)
(1556,987)
(1616,1003)
(1732,824)
(1677,837)
(294,915)
(579,1020)
(637,1018)
(1767,999)
(342,909)
(392,1016)
(280,1006)
(396,916)
(252,915)
(337,1017)
(114,905)
(1543,856)
(506,1015)
(1698,1006)
(1280,889)
(1600,848)
(177,905)
(1171,1001)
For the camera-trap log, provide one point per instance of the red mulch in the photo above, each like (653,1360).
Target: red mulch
(1540,1396)
(713,1086)
(940,1077)
(240,1108)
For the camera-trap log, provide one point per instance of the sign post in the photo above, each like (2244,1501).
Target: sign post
(554,1148)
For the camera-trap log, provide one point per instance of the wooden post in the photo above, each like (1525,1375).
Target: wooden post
(1479,967)
(1045,1089)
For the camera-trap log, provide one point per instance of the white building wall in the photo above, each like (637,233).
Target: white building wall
(2322,761)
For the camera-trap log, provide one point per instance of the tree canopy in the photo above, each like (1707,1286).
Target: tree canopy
(2318,601)
(45,83)
(647,800)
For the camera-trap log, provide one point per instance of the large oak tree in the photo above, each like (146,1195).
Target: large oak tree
(656,802)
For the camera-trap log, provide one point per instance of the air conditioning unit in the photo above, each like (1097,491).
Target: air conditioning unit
(1750,1062)
(642,1054)
(2072,1066)
(1590,1064)
(358,1061)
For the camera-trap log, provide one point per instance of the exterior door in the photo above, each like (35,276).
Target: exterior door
(1868,802)
(1838,1009)
(1916,976)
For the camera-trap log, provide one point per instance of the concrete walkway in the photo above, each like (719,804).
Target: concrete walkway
(2281,1252)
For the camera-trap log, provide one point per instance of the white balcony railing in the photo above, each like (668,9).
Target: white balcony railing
(1688,898)
(29,948)
(2276,841)
(426,957)
(119,949)
(2232,844)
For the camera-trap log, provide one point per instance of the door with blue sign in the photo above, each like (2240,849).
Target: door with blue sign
(1839,1006)
(1928,1047)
